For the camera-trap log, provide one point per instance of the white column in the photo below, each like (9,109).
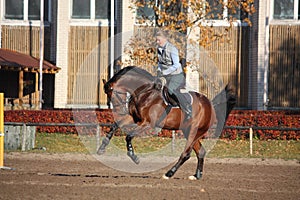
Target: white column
(263,55)
(128,18)
(41,53)
(61,78)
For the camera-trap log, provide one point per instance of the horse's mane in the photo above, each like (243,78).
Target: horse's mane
(125,70)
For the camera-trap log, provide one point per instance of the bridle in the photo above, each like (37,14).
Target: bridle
(121,99)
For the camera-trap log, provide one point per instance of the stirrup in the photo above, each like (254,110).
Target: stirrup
(188,115)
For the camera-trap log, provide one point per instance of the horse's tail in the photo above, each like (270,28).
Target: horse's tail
(223,104)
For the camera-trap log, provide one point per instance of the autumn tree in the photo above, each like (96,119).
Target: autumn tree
(188,22)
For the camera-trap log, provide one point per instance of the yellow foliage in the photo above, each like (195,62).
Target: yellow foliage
(183,16)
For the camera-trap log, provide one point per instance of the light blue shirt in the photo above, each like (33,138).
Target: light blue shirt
(166,54)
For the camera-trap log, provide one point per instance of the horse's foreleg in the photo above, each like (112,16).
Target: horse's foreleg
(130,151)
(200,152)
(107,139)
(130,134)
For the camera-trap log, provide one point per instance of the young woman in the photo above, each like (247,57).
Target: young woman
(170,68)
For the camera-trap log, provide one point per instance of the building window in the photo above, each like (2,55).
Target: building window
(25,9)
(220,11)
(145,12)
(14,9)
(90,9)
(81,9)
(102,9)
(286,9)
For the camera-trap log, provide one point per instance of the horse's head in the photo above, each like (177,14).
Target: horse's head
(108,89)
(125,83)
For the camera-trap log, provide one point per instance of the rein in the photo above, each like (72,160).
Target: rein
(122,102)
(118,95)
(125,101)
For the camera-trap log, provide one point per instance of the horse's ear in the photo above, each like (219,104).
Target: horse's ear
(104,81)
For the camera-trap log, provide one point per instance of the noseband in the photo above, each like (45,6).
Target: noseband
(122,101)
(123,98)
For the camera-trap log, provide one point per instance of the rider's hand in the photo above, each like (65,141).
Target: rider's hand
(157,83)
(159,73)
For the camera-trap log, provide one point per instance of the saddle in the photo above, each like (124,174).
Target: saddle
(171,99)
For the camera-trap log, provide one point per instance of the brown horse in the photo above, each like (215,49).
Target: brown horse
(139,105)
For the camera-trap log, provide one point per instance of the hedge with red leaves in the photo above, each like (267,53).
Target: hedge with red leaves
(236,118)
(59,116)
(251,118)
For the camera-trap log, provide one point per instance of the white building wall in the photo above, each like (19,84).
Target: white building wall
(128,21)
(61,78)
(262,55)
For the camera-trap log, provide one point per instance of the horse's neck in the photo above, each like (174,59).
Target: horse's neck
(147,93)
(134,85)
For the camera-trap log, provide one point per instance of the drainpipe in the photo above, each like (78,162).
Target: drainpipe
(266,56)
(41,52)
(112,35)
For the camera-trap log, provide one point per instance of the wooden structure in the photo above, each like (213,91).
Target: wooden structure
(25,39)
(20,83)
(88,65)
(18,70)
(284,68)
(231,58)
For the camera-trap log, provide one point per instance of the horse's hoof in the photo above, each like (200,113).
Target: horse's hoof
(101,151)
(134,158)
(165,177)
(193,178)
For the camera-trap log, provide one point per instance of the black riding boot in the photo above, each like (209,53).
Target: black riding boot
(187,108)
(185,104)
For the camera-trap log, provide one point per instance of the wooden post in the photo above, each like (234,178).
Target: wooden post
(173,141)
(24,139)
(2,133)
(21,87)
(98,137)
(251,140)
(37,94)
(1,130)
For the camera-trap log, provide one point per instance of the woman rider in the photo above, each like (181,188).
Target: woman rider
(170,68)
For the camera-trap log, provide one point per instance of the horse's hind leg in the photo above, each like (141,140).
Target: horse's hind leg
(183,157)
(106,140)
(200,153)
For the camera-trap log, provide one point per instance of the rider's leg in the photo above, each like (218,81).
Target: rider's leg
(185,103)
(175,83)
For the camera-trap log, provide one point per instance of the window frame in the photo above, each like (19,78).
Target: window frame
(296,17)
(25,14)
(92,21)
(208,22)
(224,21)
